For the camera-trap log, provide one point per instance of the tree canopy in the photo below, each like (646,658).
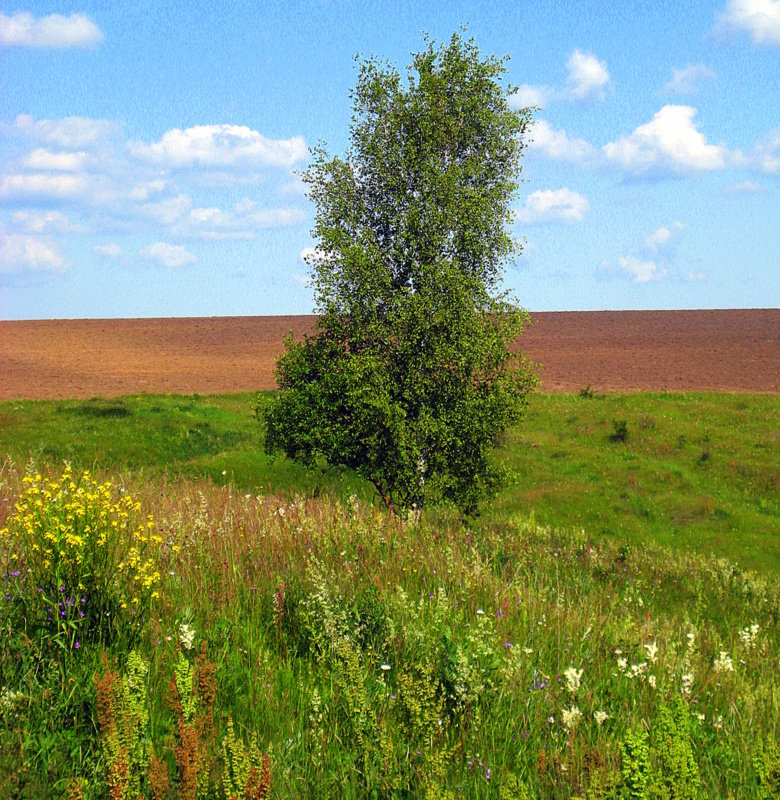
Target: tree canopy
(411,376)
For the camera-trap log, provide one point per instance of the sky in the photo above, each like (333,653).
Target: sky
(150,153)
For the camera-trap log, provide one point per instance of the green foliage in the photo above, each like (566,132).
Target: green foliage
(636,765)
(244,765)
(619,431)
(676,776)
(409,379)
(766,762)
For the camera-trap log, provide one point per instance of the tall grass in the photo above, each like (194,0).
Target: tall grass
(319,648)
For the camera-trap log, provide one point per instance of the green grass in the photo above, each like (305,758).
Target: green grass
(370,659)
(696,472)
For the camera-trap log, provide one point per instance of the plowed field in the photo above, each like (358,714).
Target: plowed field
(623,351)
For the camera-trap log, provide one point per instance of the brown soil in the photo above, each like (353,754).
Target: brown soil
(622,351)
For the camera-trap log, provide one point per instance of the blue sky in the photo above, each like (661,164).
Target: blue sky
(149,151)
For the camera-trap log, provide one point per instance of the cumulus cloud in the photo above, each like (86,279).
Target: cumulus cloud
(43,184)
(526,95)
(42,159)
(22,253)
(40,221)
(760,19)
(242,222)
(222,146)
(686,80)
(553,205)
(660,238)
(51,32)
(169,255)
(766,153)
(641,271)
(557,144)
(109,250)
(588,78)
(669,143)
(71,132)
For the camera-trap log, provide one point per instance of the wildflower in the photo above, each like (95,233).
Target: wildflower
(385,667)
(700,717)
(652,652)
(651,680)
(571,716)
(551,719)
(687,683)
(622,664)
(717,722)
(186,636)
(573,679)
(723,663)
(748,635)
(600,717)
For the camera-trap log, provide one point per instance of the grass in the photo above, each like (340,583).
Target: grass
(369,659)
(695,472)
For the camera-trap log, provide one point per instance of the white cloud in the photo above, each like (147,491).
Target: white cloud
(169,255)
(222,146)
(558,145)
(52,32)
(553,205)
(758,18)
(745,187)
(766,153)
(21,253)
(42,185)
(669,143)
(58,162)
(588,77)
(169,210)
(71,132)
(241,223)
(109,250)
(143,191)
(311,255)
(39,221)
(687,79)
(641,271)
(660,238)
(526,95)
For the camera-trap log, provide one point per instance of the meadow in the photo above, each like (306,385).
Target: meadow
(192,619)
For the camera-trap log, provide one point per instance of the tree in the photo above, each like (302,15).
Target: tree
(410,377)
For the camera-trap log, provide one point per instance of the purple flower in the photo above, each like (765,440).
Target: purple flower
(77,644)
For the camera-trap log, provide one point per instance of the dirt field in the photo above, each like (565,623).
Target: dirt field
(611,351)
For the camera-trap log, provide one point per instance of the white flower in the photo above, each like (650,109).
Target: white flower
(480,612)
(687,682)
(622,664)
(186,636)
(528,650)
(691,636)
(651,680)
(551,720)
(652,652)
(748,635)
(723,663)
(385,667)
(571,716)
(573,679)
(717,722)
(700,717)
(600,717)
